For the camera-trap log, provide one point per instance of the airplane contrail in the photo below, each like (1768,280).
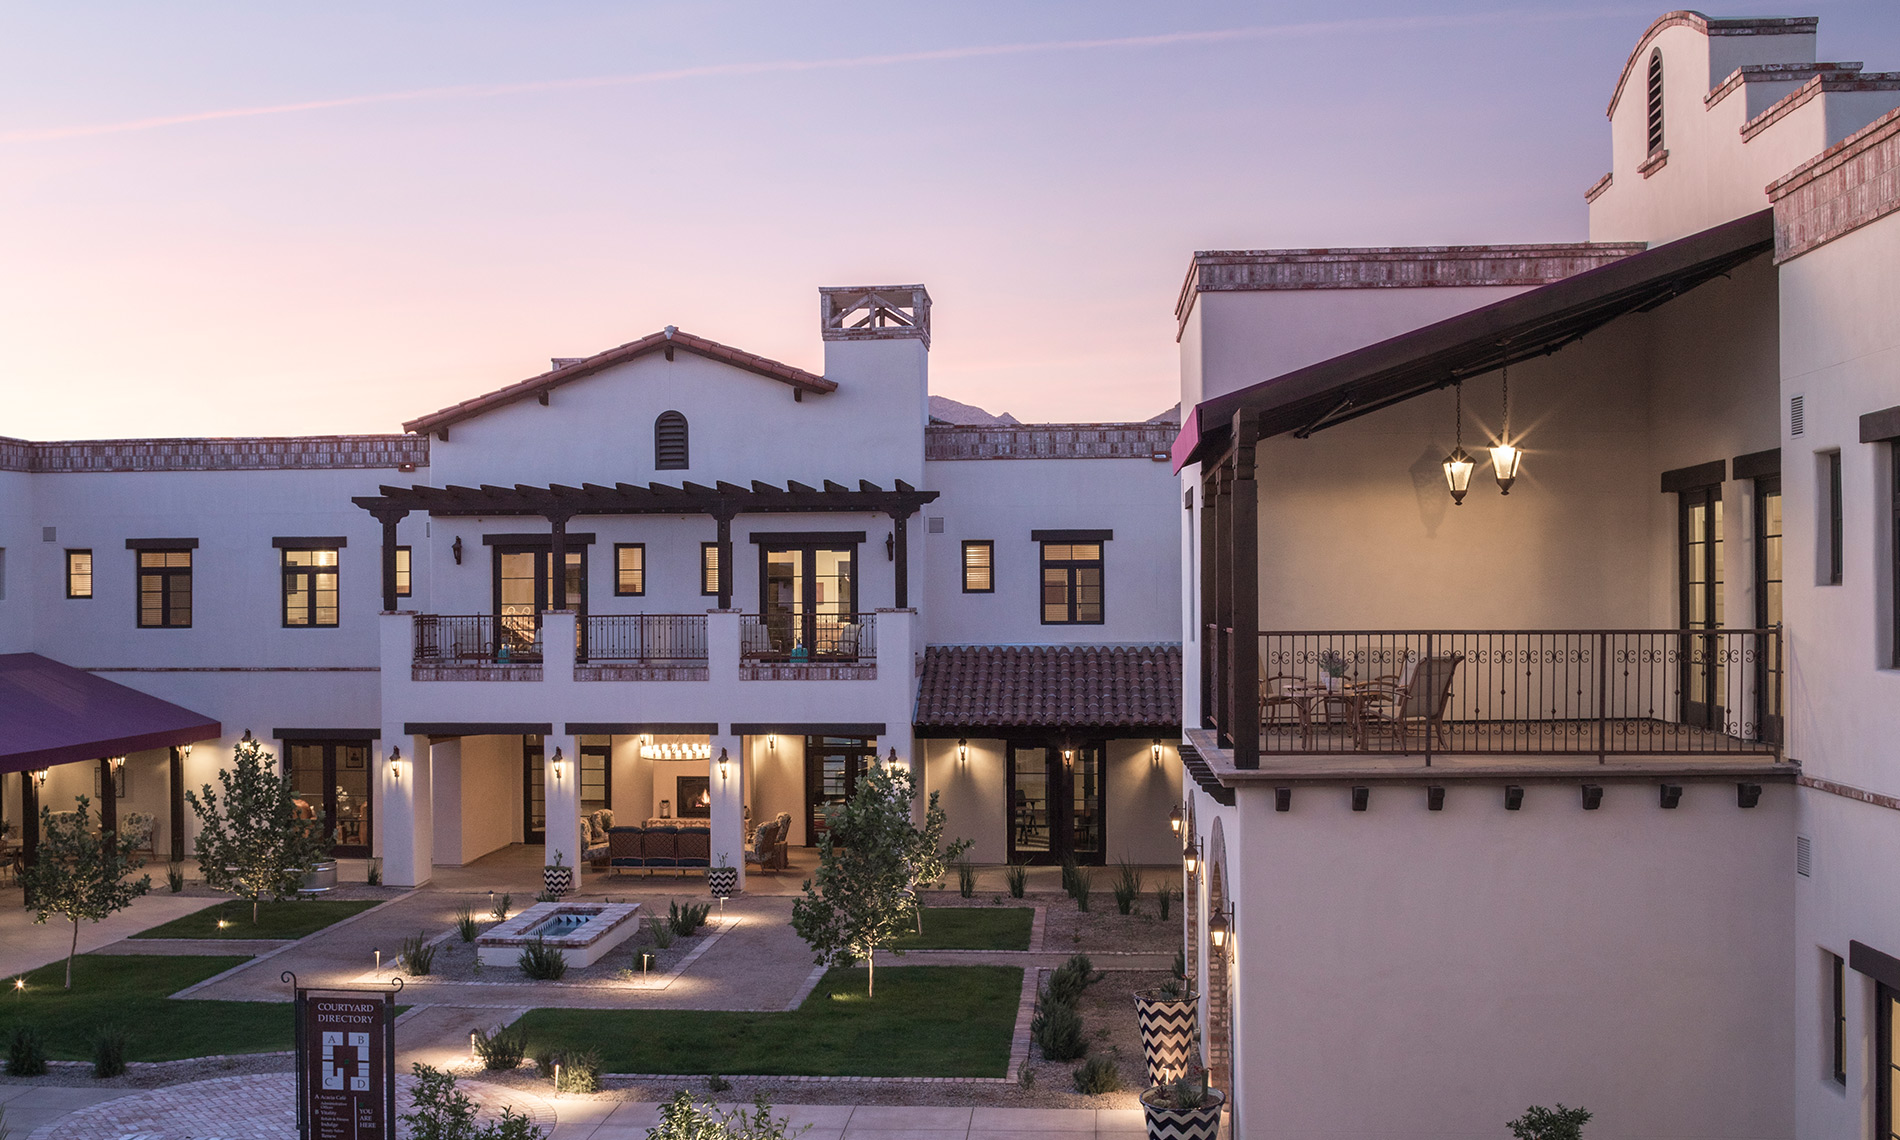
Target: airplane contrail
(781,66)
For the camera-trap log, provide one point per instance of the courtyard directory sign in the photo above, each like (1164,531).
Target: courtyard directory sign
(346,1063)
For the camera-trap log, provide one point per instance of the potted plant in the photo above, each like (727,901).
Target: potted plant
(1166,1016)
(1184,1108)
(722,881)
(1333,663)
(558,879)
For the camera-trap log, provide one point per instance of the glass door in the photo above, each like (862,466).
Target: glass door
(597,773)
(524,587)
(1056,796)
(1768,667)
(1032,838)
(808,594)
(534,791)
(1886,1062)
(331,780)
(1084,799)
(832,767)
(1702,674)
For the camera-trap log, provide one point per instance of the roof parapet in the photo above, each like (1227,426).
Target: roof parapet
(874,312)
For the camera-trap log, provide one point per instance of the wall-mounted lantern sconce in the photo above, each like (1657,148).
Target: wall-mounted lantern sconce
(892,759)
(1513,797)
(1174,820)
(1435,797)
(1592,797)
(963,757)
(1747,795)
(725,766)
(395,763)
(1191,855)
(455,548)
(248,739)
(1219,929)
(1155,751)
(890,547)
(117,762)
(1068,757)
(1361,797)
(555,764)
(771,742)
(184,751)
(38,776)
(1671,795)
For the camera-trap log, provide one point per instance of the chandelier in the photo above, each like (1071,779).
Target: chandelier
(676,752)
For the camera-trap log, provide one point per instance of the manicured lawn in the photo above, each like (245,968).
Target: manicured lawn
(971,928)
(292,918)
(129,992)
(926,1021)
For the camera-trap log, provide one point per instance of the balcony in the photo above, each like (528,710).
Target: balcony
(808,646)
(1462,696)
(645,647)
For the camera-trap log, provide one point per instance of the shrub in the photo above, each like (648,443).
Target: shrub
(1057,1029)
(718,1083)
(26,1052)
(578,1072)
(108,1051)
(1084,879)
(1026,1077)
(1098,1075)
(1068,875)
(1017,876)
(1165,894)
(542,962)
(501,1050)
(545,1057)
(418,955)
(175,878)
(465,924)
(375,878)
(662,932)
(546,896)
(444,1113)
(686,919)
(966,878)
(499,912)
(1127,887)
(1068,980)
(682,1119)
(1558,1123)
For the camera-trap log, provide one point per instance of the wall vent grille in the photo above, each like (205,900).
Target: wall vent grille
(935,523)
(1803,857)
(1797,422)
(49,534)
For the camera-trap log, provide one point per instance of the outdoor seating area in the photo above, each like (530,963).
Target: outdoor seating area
(676,845)
(769,849)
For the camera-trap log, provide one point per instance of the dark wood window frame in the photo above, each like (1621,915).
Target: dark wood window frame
(1836,563)
(1769,669)
(304,578)
(1072,568)
(1893,560)
(989,565)
(167,577)
(1885,1076)
(405,571)
(639,570)
(73,575)
(1837,969)
(709,569)
(1058,815)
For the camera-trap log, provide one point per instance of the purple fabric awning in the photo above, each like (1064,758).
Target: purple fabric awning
(55,714)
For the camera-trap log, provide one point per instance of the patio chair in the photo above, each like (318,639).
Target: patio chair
(763,853)
(1278,700)
(1418,695)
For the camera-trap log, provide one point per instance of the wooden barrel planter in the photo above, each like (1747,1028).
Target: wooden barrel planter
(1167,1033)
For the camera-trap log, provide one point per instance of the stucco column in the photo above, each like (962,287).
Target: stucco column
(722,646)
(404,807)
(728,802)
(561,786)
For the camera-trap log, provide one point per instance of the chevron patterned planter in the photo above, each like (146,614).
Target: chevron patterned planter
(558,880)
(722,882)
(1165,1123)
(1167,1033)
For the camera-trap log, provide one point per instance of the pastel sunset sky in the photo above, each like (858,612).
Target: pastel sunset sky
(276,219)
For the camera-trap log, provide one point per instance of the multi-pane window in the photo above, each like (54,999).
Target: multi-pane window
(1886,1064)
(310,587)
(403,579)
(1831,472)
(709,568)
(1071,583)
(630,568)
(164,589)
(79,573)
(978,567)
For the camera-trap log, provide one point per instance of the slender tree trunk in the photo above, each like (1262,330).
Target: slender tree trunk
(71,953)
(254,902)
(870,971)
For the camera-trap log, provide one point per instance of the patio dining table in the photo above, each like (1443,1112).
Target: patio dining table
(1320,705)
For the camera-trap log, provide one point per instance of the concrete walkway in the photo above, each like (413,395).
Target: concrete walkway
(26,945)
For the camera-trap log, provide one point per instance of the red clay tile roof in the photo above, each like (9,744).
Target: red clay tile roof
(1055,686)
(666,339)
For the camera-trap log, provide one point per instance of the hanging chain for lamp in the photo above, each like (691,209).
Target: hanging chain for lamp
(1504,456)
(1458,465)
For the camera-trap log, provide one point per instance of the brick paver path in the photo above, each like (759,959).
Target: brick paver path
(257,1107)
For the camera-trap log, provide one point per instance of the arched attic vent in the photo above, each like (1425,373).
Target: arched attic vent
(669,442)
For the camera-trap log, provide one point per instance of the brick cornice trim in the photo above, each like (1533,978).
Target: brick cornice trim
(1599,186)
(287,453)
(1850,184)
(1772,73)
(1826,81)
(1049,441)
(1847,791)
(1763,26)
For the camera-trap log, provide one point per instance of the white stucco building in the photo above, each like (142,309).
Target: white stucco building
(1603,806)
(772,577)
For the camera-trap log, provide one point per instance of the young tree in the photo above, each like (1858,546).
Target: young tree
(79,875)
(870,859)
(258,841)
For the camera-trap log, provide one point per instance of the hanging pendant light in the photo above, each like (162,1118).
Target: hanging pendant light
(1505,457)
(1458,465)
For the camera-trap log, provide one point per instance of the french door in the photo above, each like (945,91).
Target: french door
(534,789)
(332,777)
(1768,665)
(524,588)
(807,594)
(832,767)
(1056,793)
(1702,674)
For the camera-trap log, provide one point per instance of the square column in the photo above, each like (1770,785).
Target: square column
(728,802)
(405,808)
(561,779)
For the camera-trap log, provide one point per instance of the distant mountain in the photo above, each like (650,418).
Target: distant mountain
(944,410)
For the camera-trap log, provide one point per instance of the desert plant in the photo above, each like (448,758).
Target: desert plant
(718,1083)
(499,912)
(418,955)
(542,962)
(1084,878)
(1165,894)
(4,1130)
(108,1051)
(684,920)
(1068,875)
(1017,876)
(26,1052)
(80,875)
(1026,1077)
(578,1072)
(501,1050)
(966,878)
(1067,981)
(546,896)
(1127,887)
(683,1119)
(465,924)
(1558,1123)
(545,1057)
(1186,1092)
(1098,1075)
(256,841)
(1056,1029)
(175,878)
(375,876)
(442,1112)
(662,932)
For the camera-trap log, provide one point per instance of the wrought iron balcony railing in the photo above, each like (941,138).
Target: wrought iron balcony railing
(643,639)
